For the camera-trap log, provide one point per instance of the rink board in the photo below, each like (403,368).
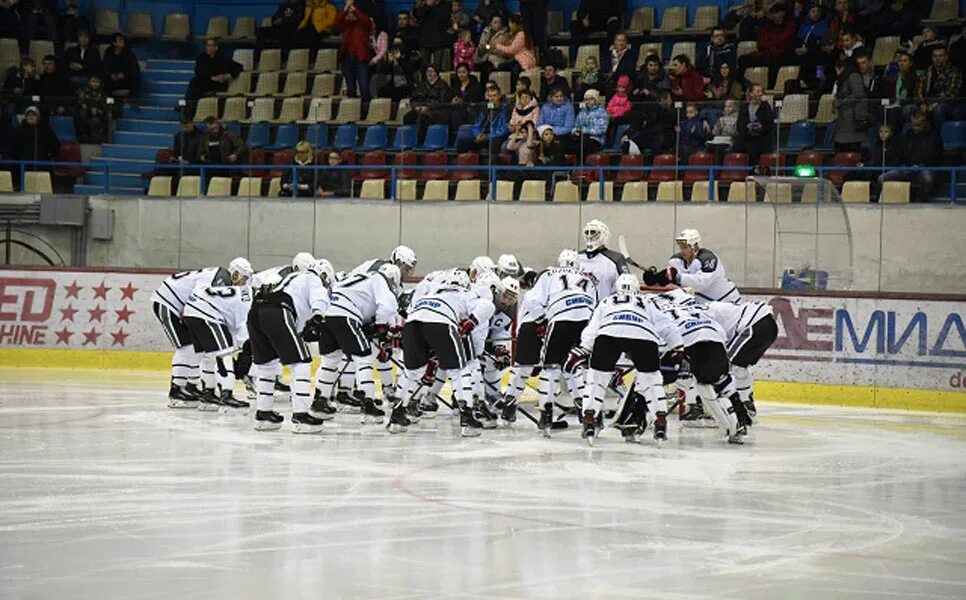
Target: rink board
(860,351)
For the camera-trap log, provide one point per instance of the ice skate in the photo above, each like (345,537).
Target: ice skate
(546,419)
(208,402)
(322,408)
(750,409)
(414,413)
(508,411)
(230,403)
(589,432)
(429,406)
(348,404)
(178,398)
(268,420)
(695,416)
(306,423)
(371,414)
(484,414)
(660,428)
(738,437)
(744,419)
(398,421)
(469,425)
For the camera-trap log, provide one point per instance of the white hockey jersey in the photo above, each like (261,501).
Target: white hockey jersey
(365,297)
(309,295)
(428,284)
(270,276)
(706,276)
(692,318)
(530,310)
(175,290)
(630,316)
(501,325)
(738,319)
(370,266)
(227,305)
(450,305)
(603,267)
(563,294)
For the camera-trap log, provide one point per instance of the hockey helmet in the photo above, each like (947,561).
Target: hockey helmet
(458,278)
(302,261)
(242,268)
(479,265)
(568,258)
(628,284)
(507,265)
(324,270)
(403,257)
(691,237)
(596,235)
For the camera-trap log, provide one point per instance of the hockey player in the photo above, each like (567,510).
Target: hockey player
(625,323)
(531,329)
(696,268)
(168,303)
(566,298)
(508,266)
(480,265)
(602,265)
(217,318)
(358,302)
(498,346)
(401,256)
(301,262)
(439,322)
(274,322)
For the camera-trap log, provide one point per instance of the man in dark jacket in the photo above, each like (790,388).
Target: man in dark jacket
(775,39)
(595,16)
(650,81)
(434,18)
(919,147)
(213,71)
(408,32)
(716,53)
(550,80)
(655,130)
(816,74)
(281,32)
(184,149)
(219,146)
(34,141)
(431,101)
(22,84)
(56,92)
(756,126)
(82,60)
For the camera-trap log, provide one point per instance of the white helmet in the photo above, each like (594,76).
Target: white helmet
(459,278)
(302,261)
(242,267)
(489,279)
(481,264)
(568,258)
(508,265)
(392,274)
(628,284)
(324,270)
(596,234)
(511,287)
(403,256)
(691,237)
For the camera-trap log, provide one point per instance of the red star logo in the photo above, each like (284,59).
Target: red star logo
(119,337)
(63,336)
(100,291)
(127,292)
(124,314)
(68,313)
(96,313)
(73,290)
(90,337)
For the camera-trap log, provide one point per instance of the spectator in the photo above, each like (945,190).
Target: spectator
(525,111)
(71,22)
(756,126)
(459,19)
(488,59)
(213,72)
(379,47)
(534,15)
(335,182)
(815,72)
(408,32)
(720,51)
(590,126)
(619,106)
(897,17)
(725,131)
(318,19)
(651,81)
(523,142)
(491,128)
(355,26)
(22,84)
(883,154)
(686,83)
(849,44)
(464,52)
(92,113)
(184,149)
(523,83)
(122,73)
(901,88)
(863,66)
(619,61)
(301,182)
(433,17)
(56,91)
(485,11)
(775,38)
(852,122)
(919,147)
(695,132)
(656,130)
(842,19)
(559,114)
(551,80)
(595,16)
(285,22)
(431,102)
(219,146)
(34,141)
(809,36)
(397,73)
(82,60)
(10,26)
(724,86)
(749,17)
(37,18)
(520,47)
(939,89)
(589,78)
(468,94)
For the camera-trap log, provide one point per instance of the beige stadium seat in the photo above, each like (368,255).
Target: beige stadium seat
(757,75)
(642,19)
(857,191)
(701,192)
(267,84)
(323,86)
(9,54)
(263,110)
(885,49)
(327,61)
(265,22)
(298,60)
(236,109)
(405,189)
(645,50)
(786,73)
(275,187)
(106,22)
(583,52)
(206,107)
(177,28)
(37,182)
(436,190)
(738,192)
(244,30)
(401,111)
(292,111)
(944,10)
(320,111)
(502,79)
(634,191)
(295,85)
(6,181)
(688,49)
(270,60)
(350,111)
(468,189)
(373,189)
(533,191)
(160,186)
(566,191)
(675,18)
(245,57)
(140,26)
(239,86)
(826,110)
(219,186)
(250,186)
(593,191)
(39,49)
(504,191)
(189,186)
(670,191)
(706,17)
(778,193)
(746,48)
(794,108)
(380,111)
(217,28)
(895,192)
(535,83)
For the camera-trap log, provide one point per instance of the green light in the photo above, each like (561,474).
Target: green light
(804,171)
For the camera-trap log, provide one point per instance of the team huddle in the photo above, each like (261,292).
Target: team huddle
(583,326)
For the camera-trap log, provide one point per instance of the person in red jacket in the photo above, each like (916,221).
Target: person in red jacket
(355,26)
(686,82)
(775,40)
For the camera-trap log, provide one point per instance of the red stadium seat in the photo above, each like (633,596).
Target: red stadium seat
(810,158)
(775,161)
(282,158)
(437,158)
(665,160)
(370,160)
(843,159)
(404,159)
(70,153)
(734,159)
(631,172)
(698,159)
(586,175)
(468,159)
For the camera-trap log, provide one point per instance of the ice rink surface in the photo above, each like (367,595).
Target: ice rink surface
(108,494)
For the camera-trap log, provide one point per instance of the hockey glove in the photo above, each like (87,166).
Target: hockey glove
(385,353)
(382,333)
(429,376)
(541,329)
(312,332)
(468,325)
(500,357)
(577,357)
(650,276)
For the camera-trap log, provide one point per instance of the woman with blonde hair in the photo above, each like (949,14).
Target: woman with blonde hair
(305,181)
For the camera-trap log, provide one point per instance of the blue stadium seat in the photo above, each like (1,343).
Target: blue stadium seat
(437,138)
(285,137)
(233,126)
(800,136)
(828,144)
(405,138)
(317,134)
(377,137)
(954,135)
(618,134)
(258,135)
(465,132)
(64,129)
(345,137)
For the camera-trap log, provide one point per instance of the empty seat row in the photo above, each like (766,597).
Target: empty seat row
(177,26)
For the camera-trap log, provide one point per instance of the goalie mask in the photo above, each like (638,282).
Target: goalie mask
(596,235)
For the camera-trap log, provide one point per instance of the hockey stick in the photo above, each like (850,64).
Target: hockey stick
(421,384)
(622,246)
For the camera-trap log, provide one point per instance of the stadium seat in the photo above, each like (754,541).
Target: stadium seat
(291,111)
(757,75)
(236,109)
(688,49)
(405,189)
(813,159)
(778,193)
(794,109)
(270,61)
(856,191)
(701,192)
(437,138)
(37,182)
(160,186)
(286,136)
(281,160)
(885,50)
(245,57)
(828,140)
(502,79)
(895,192)
(670,191)
(217,28)
(504,191)
(785,73)
(106,22)
(70,153)
(738,192)
(566,191)
(296,84)
(944,11)
(590,172)
(437,159)
(634,191)
(583,52)
(346,137)
(63,127)
(403,160)
(826,110)
(698,159)
(669,172)
(263,110)
(373,189)
(327,61)
(250,186)
(555,22)
(257,161)
(9,54)
(467,159)
(465,132)
(376,137)
(801,136)
(219,186)
(809,194)
(189,186)
(642,19)
(843,159)
(266,85)
(436,190)
(593,191)
(244,30)
(320,111)
(468,189)
(747,48)
(630,170)
(379,113)
(206,107)
(645,49)
(375,158)
(275,187)
(298,60)
(401,111)
(774,161)
(404,138)
(39,49)
(177,28)
(239,86)
(350,111)
(533,191)
(739,161)
(6,182)
(323,86)
(705,18)
(954,135)
(258,135)
(675,18)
